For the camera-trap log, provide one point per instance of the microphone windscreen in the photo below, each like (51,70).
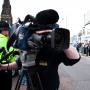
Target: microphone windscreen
(46,17)
(29,18)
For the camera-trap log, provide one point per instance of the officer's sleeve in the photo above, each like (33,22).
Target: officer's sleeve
(19,63)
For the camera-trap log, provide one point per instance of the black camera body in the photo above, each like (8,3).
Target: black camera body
(58,39)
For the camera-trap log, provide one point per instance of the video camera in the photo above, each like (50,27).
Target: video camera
(58,38)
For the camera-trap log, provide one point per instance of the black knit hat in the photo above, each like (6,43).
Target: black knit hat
(46,17)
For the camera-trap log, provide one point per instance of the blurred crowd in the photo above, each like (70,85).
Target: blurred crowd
(83,48)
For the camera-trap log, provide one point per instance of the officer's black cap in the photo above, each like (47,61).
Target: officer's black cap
(4,24)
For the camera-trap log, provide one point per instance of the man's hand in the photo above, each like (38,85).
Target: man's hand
(4,66)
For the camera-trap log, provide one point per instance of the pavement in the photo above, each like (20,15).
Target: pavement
(84,55)
(76,77)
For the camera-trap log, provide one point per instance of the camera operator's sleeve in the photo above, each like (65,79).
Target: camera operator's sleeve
(70,56)
(68,61)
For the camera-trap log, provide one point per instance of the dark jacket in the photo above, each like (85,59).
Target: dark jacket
(48,61)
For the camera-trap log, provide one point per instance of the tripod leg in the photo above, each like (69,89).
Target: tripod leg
(36,81)
(19,81)
(40,84)
(29,81)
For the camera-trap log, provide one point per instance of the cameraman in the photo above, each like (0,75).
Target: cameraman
(48,59)
(5,72)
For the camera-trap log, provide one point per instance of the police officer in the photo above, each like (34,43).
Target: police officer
(5,74)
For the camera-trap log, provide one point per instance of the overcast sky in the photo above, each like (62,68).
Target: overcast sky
(71,11)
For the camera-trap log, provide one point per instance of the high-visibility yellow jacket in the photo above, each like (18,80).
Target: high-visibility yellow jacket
(3,43)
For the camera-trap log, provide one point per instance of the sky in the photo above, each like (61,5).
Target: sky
(71,12)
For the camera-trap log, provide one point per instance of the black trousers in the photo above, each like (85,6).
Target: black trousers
(49,79)
(5,80)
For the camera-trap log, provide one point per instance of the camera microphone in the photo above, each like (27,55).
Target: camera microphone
(28,18)
(19,21)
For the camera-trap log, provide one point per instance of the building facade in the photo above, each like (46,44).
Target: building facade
(6,12)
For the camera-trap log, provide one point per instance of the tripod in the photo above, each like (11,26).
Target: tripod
(32,77)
